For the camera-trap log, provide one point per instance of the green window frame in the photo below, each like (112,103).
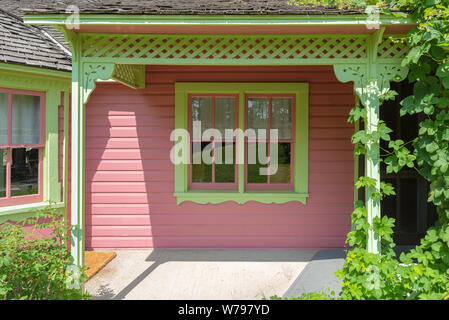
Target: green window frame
(51,84)
(301,158)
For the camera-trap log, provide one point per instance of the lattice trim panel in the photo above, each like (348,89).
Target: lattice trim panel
(392,48)
(225,49)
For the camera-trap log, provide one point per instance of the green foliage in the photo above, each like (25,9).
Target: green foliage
(34,260)
(363,137)
(309,296)
(424,272)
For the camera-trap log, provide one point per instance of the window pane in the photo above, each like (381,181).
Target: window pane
(202,111)
(3,161)
(24,171)
(258,113)
(224,114)
(281,117)
(201,172)
(3,118)
(283,173)
(224,162)
(255,162)
(25,119)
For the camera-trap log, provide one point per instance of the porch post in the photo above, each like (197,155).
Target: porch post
(84,76)
(77,164)
(369,94)
(370,99)
(371,80)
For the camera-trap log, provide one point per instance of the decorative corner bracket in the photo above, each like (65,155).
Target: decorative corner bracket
(370,82)
(93,72)
(375,74)
(129,75)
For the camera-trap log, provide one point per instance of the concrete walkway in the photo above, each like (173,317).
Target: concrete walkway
(319,274)
(211,274)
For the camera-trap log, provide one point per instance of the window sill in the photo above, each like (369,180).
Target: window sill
(215,197)
(18,212)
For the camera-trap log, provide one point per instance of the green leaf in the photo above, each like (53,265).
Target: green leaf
(443,102)
(410,106)
(356,114)
(432,147)
(443,71)
(437,246)
(445,82)
(413,55)
(387,188)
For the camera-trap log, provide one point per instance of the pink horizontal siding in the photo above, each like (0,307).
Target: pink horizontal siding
(130,179)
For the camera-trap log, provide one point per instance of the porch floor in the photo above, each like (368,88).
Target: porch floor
(215,274)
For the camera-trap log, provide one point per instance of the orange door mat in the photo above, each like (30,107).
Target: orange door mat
(96,260)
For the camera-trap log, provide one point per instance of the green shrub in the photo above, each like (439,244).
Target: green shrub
(35,262)
(309,296)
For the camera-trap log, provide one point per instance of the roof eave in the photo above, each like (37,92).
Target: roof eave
(35,70)
(216,20)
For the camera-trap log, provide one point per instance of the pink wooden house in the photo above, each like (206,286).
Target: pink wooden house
(144,72)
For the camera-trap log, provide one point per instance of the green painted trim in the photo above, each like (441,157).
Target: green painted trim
(216,197)
(302,141)
(81,88)
(16,78)
(52,187)
(229,62)
(16,213)
(66,148)
(121,19)
(242,87)
(38,71)
(300,193)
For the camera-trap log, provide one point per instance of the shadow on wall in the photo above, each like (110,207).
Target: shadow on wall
(117,179)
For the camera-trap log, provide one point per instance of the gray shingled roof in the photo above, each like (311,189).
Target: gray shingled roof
(168,7)
(28,45)
(14,7)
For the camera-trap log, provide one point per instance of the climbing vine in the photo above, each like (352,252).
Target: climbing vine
(424,272)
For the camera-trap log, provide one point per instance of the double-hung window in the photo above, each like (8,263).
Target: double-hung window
(22,139)
(269,112)
(243,142)
(212,156)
